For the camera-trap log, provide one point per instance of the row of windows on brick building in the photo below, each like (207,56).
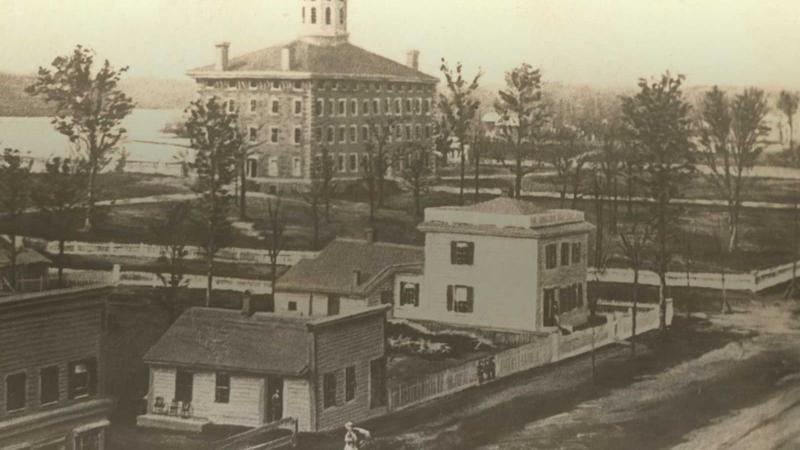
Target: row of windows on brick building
(344,134)
(322,85)
(339,108)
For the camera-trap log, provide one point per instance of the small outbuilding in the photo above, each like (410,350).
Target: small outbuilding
(230,367)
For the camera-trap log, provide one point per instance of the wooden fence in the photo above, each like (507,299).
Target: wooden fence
(236,255)
(547,350)
(275,435)
(147,279)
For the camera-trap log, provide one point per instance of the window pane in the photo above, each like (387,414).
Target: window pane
(350,383)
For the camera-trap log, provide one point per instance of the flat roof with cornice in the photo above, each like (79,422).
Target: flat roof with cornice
(505,216)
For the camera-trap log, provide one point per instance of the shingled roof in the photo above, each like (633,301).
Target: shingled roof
(343,59)
(221,339)
(332,270)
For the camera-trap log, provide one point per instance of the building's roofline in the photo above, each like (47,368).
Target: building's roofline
(291,75)
(511,232)
(55,295)
(329,321)
(49,418)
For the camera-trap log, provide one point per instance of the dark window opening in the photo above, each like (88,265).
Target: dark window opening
(222,391)
(350,383)
(409,294)
(565,250)
(16,391)
(49,385)
(328,390)
(460,299)
(551,258)
(82,378)
(184,384)
(462,253)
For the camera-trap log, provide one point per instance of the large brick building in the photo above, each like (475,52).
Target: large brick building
(319,91)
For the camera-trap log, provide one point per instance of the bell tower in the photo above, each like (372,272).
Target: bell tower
(323,21)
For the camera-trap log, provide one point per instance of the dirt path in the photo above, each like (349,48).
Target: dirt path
(686,391)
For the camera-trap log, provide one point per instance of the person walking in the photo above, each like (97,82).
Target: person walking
(355,438)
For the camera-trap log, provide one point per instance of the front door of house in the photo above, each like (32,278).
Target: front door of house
(274,399)
(184,385)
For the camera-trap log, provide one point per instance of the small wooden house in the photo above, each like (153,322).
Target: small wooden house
(248,369)
(31,269)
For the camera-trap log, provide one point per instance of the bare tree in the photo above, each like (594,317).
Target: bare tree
(170,233)
(245,150)
(315,196)
(523,117)
(273,235)
(788,103)
(90,108)
(634,237)
(568,155)
(731,136)
(15,198)
(417,172)
(459,107)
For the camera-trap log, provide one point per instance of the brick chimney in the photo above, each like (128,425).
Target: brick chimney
(222,56)
(286,59)
(247,304)
(412,59)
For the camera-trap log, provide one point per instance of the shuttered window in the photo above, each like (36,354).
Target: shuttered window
(82,378)
(462,253)
(49,385)
(409,294)
(460,299)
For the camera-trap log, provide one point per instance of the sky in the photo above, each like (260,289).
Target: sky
(588,42)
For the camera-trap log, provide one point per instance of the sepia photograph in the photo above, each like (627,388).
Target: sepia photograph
(434,225)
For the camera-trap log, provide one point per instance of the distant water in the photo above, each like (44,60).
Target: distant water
(36,137)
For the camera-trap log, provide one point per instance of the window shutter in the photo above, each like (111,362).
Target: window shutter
(449,297)
(402,294)
(416,294)
(470,298)
(471,254)
(452,252)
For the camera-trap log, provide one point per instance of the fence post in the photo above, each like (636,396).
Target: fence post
(554,338)
(115,275)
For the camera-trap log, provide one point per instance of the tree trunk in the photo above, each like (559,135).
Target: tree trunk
(210,280)
(87,224)
(518,178)
(462,176)
(477,176)
(614,205)
(635,308)
(243,191)
(61,262)
(13,237)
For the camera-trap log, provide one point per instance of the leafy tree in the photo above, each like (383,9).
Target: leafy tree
(657,118)
(788,103)
(635,237)
(273,234)
(246,149)
(523,117)
(608,160)
(90,108)
(15,198)
(325,171)
(417,172)
(459,108)
(60,194)
(171,234)
(216,140)
(731,136)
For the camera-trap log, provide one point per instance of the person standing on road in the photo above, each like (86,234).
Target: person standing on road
(350,437)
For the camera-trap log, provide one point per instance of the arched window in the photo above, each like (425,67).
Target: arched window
(313,15)
(327,16)
(341,16)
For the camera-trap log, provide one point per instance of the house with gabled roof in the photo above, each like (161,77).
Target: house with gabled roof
(231,367)
(504,265)
(348,275)
(319,91)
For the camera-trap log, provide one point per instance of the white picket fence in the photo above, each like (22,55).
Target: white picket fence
(754,281)
(235,255)
(147,279)
(547,350)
